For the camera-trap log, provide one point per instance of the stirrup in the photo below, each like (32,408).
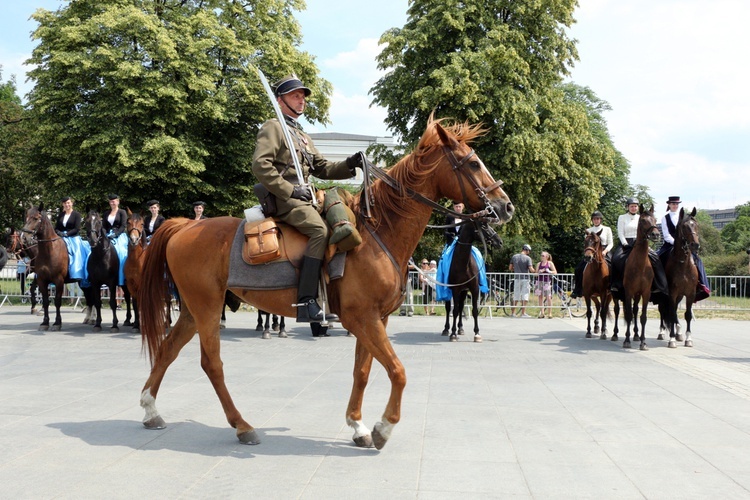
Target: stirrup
(309,312)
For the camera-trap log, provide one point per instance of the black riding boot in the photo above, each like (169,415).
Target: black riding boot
(578,281)
(308,310)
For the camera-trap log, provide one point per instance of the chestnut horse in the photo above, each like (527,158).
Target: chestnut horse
(682,275)
(596,283)
(51,262)
(195,256)
(134,262)
(463,278)
(638,276)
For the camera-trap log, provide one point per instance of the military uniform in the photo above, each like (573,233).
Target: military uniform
(273,167)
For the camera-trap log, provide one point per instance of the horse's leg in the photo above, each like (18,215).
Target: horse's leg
(275,323)
(88,294)
(644,318)
(208,330)
(375,339)
(136,318)
(458,304)
(223,319)
(688,320)
(616,328)
(475,314)
(628,313)
(588,316)
(44,287)
(113,306)
(362,366)
(259,326)
(604,312)
(59,289)
(33,287)
(598,307)
(266,327)
(446,330)
(180,335)
(126,295)
(460,311)
(98,307)
(282,327)
(636,335)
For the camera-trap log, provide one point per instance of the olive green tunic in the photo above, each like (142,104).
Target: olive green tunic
(273,167)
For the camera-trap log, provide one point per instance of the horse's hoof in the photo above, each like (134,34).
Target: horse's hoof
(453,338)
(266,335)
(378,440)
(460,331)
(33,311)
(672,344)
(477,338)
(636,338)
(43,328)
(678,337)
(614,338)
(127,323)
(688,343)
(588,335)
(282,334)
(136,330)
(222,326)
(603,336)
(259,328)
(626,345)
(660,337)
(445,332)
(596,329)
(644,347)
(114,329)
(155,423)
(55,328)
(97,329)
(364,441)
(249,437)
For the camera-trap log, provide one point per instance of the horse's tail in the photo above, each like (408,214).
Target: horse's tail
(155,286)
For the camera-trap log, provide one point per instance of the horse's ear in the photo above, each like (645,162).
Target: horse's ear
(682,212)
(600,232)
(41,206)
(127,209)
(446,138)
(695,211)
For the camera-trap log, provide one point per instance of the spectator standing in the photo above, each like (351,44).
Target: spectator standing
(543,288)
(521,266)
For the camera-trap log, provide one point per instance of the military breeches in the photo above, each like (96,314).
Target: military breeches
(308,221)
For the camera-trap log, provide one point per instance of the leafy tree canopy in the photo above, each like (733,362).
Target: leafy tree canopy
(501,63)
(159,98)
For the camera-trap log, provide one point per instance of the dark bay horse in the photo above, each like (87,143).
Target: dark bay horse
(134,262)
(26,247)
(638,277)
(596,283)
(196,257)
(103,268)
(682,275)
(463,278)
(51,262)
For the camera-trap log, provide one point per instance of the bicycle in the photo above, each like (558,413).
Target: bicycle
(503,298)
(573,307)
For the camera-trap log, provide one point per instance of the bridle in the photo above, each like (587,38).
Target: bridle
(597,245)
(487,214)
(686,233)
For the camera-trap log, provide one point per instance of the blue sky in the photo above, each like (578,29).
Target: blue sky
(674,71)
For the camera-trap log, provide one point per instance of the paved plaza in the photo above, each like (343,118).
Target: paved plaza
(535,411)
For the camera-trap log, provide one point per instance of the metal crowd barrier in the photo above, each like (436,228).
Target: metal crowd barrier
(728,293)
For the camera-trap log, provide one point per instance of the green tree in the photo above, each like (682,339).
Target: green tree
(711,243)
(154,98)
(18,182)
(736,234)
(501,63)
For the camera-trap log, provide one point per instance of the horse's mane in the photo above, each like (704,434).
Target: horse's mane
(414,169)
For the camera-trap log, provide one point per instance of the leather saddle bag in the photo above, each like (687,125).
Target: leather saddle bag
(261,242)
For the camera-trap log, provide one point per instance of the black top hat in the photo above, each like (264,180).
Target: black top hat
(201,203)
(674,199)
(113,196)
(152,202)
(288,84)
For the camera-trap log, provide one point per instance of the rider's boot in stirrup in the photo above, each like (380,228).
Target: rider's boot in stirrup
(308,310)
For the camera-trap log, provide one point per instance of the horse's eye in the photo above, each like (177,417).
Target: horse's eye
(474,164)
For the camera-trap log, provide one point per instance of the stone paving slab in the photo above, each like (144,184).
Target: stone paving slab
(535,411)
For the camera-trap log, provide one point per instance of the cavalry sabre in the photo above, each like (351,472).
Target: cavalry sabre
(287,135)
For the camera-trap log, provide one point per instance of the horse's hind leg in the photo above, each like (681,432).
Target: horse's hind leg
(127,297)
(475,314)
(113,306)
(688,320)
(446,329)
(644,318)
(362,366)
(180,335)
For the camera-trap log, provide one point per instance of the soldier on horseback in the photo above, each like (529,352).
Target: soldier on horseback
(273,166)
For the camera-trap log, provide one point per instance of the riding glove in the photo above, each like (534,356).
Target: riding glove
(354,161)
(302,193)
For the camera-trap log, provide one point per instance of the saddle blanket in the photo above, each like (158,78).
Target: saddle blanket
(274,275)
